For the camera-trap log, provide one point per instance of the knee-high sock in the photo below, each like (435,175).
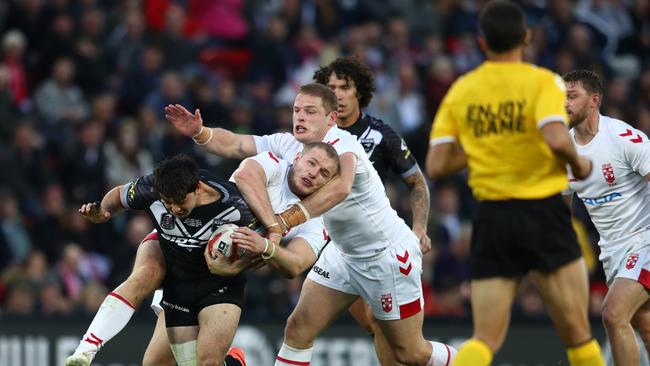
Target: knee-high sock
(441,354)
(112,316)
(185,353)
(289,356)
(586,355)
(473,353)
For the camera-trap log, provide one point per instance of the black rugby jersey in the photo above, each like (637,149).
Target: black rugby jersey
(385,148)
(183,240)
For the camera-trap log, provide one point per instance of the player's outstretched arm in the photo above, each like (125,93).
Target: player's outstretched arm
(420,202)
(290,261)
(444,159)
(215,140)
(559,141)
(98,213)
(328,196)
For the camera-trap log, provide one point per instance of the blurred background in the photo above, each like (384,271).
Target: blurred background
(82,89)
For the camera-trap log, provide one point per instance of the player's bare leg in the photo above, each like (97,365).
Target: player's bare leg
(491,304)
(409,346)
(565,294)
(318,306)
(217,327)
(624,298)
(158,352)
(118,307)
(182,341)
(362,313)
(641,322)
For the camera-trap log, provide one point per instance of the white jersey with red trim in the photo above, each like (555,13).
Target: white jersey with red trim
(616,191)
(364,224)
(281,197)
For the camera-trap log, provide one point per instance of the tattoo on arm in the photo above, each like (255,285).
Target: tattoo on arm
(418,198)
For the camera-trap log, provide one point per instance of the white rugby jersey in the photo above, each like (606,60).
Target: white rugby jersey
(364,224)
(616,192)
(276,171)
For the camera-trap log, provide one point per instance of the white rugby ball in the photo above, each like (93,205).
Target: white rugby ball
(220,241)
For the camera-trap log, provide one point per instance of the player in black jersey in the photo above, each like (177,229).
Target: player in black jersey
(184,220)
(185,205)
(353,83)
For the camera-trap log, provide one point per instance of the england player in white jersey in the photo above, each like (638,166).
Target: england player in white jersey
(374,254)
(616,195)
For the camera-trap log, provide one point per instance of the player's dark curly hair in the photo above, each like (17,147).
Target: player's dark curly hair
(350,68)
(175,177)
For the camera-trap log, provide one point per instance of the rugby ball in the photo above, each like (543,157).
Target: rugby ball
(220,241)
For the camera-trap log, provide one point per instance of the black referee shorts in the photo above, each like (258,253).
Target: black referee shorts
(183,300)
(512,237)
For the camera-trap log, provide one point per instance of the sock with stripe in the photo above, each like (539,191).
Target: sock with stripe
(112,316)
(586,355)
(441,354)
(289,356)
(473,353)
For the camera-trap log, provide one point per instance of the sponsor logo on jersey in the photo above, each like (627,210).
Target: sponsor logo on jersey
(387,302)
(631,260)
(187,243)
(321,272)
(193,222)
(167,221)
(367,143)
(600,200)
(608,173)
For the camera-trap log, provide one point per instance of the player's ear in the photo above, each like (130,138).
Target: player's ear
(528,38)
(298,156)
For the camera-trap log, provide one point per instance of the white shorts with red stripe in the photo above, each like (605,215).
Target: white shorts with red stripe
(629,258)
(390,282)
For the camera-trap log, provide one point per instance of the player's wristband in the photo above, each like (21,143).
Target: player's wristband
(294,215)
(265,257)
(198,141)
(266,246)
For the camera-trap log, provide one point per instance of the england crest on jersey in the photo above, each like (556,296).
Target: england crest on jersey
(608,173)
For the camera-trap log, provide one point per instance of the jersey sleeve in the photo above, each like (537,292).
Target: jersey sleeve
(399,156)
(140,193)
(278,143)
(445,126)
(637,153)
(313,232)
(272,166)
(550,102)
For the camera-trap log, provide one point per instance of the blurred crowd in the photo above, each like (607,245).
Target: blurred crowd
(83,84)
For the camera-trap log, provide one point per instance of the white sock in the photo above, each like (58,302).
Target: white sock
(110,319)
(185,353)
(289,356)
(442,354)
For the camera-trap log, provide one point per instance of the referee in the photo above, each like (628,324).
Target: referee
(506,122)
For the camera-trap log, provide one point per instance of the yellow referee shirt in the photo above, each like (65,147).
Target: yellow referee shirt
(495,113)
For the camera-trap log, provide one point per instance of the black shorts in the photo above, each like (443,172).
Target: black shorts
(183,300)
(513,237)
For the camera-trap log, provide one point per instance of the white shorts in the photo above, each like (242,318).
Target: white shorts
(155,303)
(391,282)
(628,259)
